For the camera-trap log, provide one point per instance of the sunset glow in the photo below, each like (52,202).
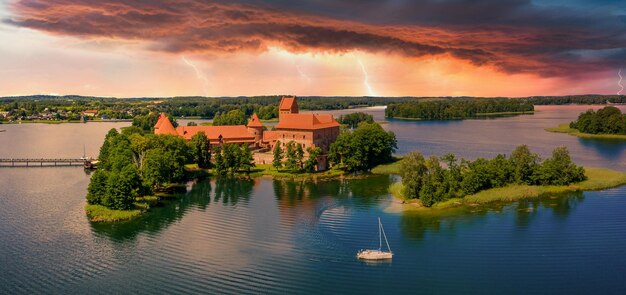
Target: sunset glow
(231,48)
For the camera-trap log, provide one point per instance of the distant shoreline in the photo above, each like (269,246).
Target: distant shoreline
(476,116)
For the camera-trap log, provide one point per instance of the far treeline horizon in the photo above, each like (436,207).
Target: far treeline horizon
(69,107)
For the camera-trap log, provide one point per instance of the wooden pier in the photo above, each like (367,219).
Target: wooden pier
(33,162)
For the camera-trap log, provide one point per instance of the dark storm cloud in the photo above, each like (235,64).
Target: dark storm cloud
(516,36)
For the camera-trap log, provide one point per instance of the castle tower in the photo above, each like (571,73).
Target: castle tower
(287,105)
(255,127)
(164,126)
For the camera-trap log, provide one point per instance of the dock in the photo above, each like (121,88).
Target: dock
(41,162)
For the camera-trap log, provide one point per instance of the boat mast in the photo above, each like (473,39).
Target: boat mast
(380,238)
(383,230)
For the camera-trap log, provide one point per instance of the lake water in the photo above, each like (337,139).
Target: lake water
(268,236)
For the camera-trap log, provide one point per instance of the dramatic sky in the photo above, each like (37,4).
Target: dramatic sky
(164,48)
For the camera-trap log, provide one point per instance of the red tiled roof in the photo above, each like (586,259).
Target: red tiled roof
(91,111)
(306,121)
(254,121)
(164,126)
(287,102)
(270,135)
(237,133)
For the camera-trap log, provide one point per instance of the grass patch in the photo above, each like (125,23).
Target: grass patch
(395,189)
(564,128)
(598,179)
(390,168)
(206,124)
(99,213)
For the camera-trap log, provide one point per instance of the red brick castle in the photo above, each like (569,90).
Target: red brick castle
(308,130)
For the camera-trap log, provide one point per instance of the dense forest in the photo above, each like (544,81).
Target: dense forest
(456,109)
(432,182)
(608,120)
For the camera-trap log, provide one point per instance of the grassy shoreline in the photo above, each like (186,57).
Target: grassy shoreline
(564,128)
(598,179)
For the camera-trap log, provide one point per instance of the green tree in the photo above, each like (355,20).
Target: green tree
(122,188)
(246,161)
(299,156)
(192,123)
(524,164)
(220,165)
(354,119)
(96,191)
(292,159)
(201,149)
(156,168)
(412,169)
(363,148)
(311,161)
(559,169)
(234,117)
(277,162)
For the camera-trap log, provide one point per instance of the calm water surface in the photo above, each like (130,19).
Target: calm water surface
(267,236)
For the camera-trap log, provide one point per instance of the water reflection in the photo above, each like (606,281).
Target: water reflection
(159,217)
(610,149)
(230,190)
(417,224)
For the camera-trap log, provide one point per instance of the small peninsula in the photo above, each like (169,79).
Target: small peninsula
(606,123)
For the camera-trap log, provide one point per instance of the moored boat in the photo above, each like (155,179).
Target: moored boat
(378,254)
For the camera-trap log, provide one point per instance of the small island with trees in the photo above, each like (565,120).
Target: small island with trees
(443,182)
(606,123)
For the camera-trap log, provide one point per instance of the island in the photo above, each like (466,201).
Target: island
(606,123)
(458,109)
(139,168)
(440,183)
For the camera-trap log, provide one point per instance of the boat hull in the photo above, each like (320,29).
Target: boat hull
(374,255)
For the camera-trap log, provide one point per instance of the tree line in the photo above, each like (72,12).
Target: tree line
(456,109)
(354,119)
(608,120)
(292,157)
(437,179)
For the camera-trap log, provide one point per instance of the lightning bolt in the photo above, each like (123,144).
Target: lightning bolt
(199,75)
(303,75)
(619,73)
(366,82)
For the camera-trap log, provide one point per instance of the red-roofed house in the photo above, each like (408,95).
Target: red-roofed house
(90,113)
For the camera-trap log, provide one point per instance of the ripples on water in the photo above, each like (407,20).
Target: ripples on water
(266,236)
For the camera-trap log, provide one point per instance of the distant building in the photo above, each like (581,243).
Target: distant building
(308,130)
(90,113)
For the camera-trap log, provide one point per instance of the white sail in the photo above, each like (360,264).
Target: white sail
(377,254)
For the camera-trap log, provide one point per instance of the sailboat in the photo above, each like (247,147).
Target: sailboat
(377,254)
